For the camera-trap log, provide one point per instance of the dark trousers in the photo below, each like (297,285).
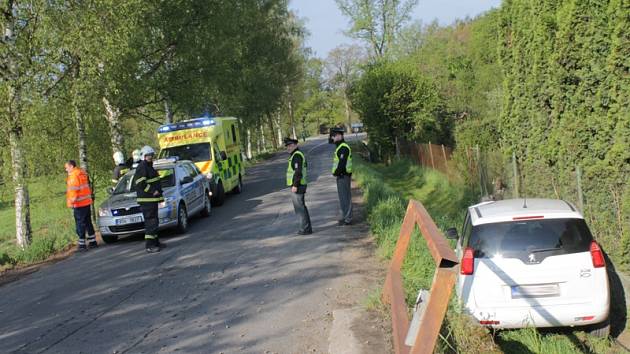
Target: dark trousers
(344,189)
(83,221)
(299,205)
(151,223)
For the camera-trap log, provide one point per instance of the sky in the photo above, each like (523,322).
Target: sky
(326,24)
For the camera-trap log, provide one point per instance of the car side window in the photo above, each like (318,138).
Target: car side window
(182,173)
(192,172)
(466,230)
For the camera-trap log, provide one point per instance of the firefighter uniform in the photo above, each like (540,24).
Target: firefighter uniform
(147,183)
(79,198)
(296,177)
(119,171)
(342,169)
(121,167)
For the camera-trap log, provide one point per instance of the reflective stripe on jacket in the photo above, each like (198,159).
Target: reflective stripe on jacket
(78,192)
(146,183)
(291,169)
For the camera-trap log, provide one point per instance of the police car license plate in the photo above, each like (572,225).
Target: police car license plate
(131,220)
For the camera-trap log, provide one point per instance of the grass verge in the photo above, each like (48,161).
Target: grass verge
(387,190)
(52,222)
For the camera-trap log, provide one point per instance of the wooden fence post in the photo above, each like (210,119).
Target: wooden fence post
(431,153)
(445,161)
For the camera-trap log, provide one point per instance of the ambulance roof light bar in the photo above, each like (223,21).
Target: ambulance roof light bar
(200,122)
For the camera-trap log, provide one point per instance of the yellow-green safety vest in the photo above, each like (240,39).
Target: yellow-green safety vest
(336,158)
(291,170)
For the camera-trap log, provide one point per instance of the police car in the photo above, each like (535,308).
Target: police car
(532,262)
(186,193)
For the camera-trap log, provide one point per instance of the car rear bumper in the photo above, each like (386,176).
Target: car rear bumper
(542,316)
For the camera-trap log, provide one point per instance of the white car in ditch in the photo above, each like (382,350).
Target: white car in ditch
(531,263)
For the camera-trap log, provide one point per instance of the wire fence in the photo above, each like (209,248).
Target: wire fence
(429,155)
(491,175)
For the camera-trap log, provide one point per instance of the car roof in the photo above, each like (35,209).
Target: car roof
(520,209)
(167,163)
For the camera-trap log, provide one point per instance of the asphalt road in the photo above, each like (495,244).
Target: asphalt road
(239,281)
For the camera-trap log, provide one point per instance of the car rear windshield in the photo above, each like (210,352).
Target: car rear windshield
(520,239)
(193,152)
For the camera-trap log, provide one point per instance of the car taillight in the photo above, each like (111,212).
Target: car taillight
(489,323)
(468,262)
(585,318)
(597,255)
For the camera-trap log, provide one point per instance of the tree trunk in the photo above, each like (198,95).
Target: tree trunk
(274,142)
(23,231)
(279,127)
(83,153)
(347,108)
(262,138)
(168,111)
(112,114)
(249,144)
(80,124)
(292,119)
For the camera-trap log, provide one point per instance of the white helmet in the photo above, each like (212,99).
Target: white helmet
(137,155)
(119,158)
(147,150)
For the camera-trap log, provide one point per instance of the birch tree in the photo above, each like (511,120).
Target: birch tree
(20,59)
(342,68)
(376,22)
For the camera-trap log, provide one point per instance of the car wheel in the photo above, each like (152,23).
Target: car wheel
(601,330)
(239,188)
(207,206)
(182,219)
(109,238)
(219,196)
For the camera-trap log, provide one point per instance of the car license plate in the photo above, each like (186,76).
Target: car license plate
(542,290)
(131,220)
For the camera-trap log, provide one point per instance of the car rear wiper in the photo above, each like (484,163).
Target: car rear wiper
(539,250)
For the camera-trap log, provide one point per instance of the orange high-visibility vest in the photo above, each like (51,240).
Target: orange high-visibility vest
(78,193)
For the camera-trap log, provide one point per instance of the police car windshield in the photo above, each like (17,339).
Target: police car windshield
(167,177)
(193,152)
(125,183)
(544,238)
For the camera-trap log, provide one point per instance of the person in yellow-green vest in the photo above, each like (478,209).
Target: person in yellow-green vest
(342,169)
(296,179)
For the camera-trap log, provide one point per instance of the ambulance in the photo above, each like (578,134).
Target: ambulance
(213,144)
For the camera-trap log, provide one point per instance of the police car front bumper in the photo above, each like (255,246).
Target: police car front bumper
(134,223)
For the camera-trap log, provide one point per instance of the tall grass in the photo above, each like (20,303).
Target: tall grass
(52,221)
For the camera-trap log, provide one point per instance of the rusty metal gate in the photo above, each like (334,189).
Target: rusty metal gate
(441,288)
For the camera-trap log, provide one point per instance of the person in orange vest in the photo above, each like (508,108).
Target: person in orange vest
(79,198)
